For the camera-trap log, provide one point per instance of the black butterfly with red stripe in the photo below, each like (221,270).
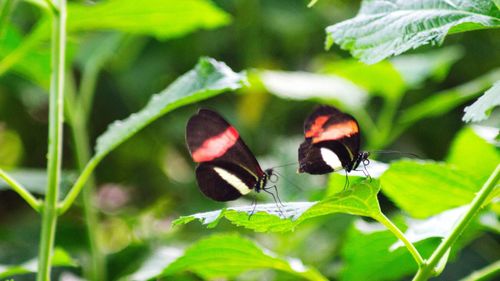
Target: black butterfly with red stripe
(332,142)
(227,168)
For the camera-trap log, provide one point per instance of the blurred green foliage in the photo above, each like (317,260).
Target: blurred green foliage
(411,103)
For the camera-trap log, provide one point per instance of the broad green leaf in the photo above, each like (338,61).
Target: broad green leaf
(384,28)
(366,255)
(60,258)
(156,263)
(381,79)
(482,107)
(440,225)
(360,199)
(416,68)
(473,154)
(207,79)
(228,255)
(35,63)
(305,86)
(423,188)
(443,102)
(160,18)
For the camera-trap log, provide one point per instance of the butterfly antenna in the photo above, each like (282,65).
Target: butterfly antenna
(285,165)
(395,152)
(288,181)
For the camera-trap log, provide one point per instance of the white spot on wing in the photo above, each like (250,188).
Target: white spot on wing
(331,159)
(233,180)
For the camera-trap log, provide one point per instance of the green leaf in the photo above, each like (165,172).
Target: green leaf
(207,79)
(221,256)
(365,252)
(423,188)
(416,68)
(444,101)
(60,258)
(473,154)
(384,28)
(35,63)
(381,79)
(440,225)
(481,108)
(360,199)
(306,86)
(160,18)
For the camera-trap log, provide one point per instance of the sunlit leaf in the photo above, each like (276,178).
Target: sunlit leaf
(385,28)
(440,225)
(481,108)
(416,68)
(60,258)
(366,251)
(473,154)
(310,86)
(160,18)
(360,199)
(423,189)
(35,64)
(221,256)
(381,79)
(207,79)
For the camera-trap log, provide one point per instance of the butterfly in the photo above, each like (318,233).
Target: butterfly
(332,142)
(227,168)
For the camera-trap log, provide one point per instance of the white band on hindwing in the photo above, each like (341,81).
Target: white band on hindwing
(233,180)
(331,159)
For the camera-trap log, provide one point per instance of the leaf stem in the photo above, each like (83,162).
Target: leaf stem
(54,158)
(427,270)
(53,8)
(400,235)
(23,192)
(79,184)
(485,273)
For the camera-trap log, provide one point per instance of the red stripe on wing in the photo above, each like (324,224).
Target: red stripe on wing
(317,126)
(337,131)
(216,146)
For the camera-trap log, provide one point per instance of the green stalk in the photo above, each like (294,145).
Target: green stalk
(400,235)
(427,270)
(78,125)
(25,194)
(54,157)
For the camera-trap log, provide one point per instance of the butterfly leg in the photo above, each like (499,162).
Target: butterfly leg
(366,162)
(275,200)
(254,204)
(346,183)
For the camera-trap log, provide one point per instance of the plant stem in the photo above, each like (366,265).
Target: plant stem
(400,235)
(427,270)
(54,158)
(78,125)
(25,194)
(486,273)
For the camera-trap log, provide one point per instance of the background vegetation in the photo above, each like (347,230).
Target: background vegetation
(120,52)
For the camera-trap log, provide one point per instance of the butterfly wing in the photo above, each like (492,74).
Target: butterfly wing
(227,169)
(333,137)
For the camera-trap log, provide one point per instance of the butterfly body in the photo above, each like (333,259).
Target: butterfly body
(332,142)
(227,168)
